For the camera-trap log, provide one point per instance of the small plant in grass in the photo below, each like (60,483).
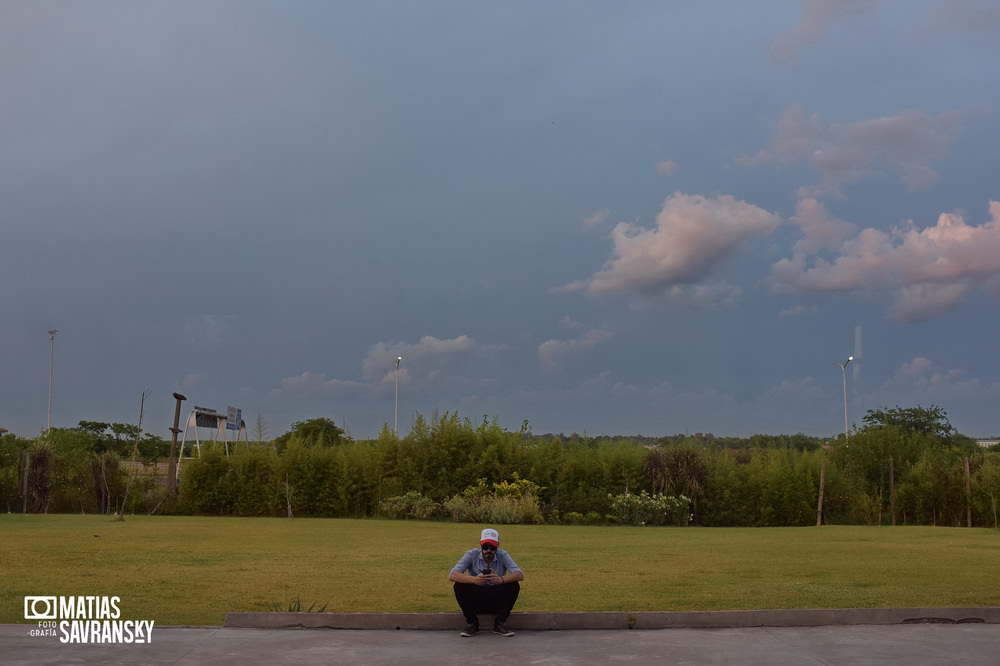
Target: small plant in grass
(295,606)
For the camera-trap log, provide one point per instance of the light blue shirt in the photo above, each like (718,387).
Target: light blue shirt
(473,563)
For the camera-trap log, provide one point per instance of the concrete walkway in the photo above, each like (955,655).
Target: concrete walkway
(846,645)
(855,637)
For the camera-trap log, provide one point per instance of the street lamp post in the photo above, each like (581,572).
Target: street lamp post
(52,359)
(843,371)
(395,423)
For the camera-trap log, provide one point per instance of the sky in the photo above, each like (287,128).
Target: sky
(643,218)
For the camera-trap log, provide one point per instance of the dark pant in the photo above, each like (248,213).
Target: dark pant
(497,599)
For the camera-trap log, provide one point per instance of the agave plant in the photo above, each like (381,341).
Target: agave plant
(295,606)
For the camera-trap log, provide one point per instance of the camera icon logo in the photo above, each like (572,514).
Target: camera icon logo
(40,608)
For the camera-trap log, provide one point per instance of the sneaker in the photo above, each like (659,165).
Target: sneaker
(501,629)
(471,629)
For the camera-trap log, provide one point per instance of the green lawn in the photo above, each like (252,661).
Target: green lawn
(182,570)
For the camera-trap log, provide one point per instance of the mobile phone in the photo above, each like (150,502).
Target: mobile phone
(487,571)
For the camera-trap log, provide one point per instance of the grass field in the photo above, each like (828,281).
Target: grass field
(184,570)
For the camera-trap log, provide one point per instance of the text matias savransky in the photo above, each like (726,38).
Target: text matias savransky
(85,619)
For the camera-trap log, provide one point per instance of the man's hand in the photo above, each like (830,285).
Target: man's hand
(487,579)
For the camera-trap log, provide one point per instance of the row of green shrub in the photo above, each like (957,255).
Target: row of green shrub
(450,468)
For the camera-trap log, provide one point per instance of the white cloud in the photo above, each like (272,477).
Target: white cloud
(315,384)
(922,301)
(666,167)
(569,322)
(814,25)
(926,271)
(192,381)
(423,361)
(694,235)
(920,381)
(427,355)
(703,296)
(596,219)
(907,144)
(552,352)
(820,230)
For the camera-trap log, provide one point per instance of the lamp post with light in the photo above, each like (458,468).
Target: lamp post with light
(395,422)
(843,371)
(52,359)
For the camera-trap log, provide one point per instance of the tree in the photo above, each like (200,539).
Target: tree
(260,429)
(916,452)
(121,439)
(314,432)
(678,471)
(918,420)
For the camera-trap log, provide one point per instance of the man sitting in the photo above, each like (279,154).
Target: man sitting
(486,581)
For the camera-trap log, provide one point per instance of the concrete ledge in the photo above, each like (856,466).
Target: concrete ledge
(545,621)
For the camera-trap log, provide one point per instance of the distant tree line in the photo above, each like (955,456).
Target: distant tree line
(901,466)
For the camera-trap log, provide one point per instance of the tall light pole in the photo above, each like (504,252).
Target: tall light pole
(52,360)
(843,371)
(395,425)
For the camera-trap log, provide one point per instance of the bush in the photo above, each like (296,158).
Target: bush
(412,505)
(647,509)
(506,502)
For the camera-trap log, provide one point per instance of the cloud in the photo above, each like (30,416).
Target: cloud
(926,271)
(703,296)
(694,236)
(209,328)
(797,311)
(192,381)
(967,17)
(907,144)
(552,352)
(569,322)
(427,355)
(820,230)
(597,218)
(666,167)
(315,384)
(422,362)
(920,381)
(814,25)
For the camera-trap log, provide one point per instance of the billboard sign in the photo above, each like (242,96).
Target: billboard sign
(234,417)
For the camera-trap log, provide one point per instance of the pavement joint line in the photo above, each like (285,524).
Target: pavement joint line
(542,620)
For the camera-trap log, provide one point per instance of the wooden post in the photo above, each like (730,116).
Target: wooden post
(822,485)
(24,482)
(892,491)
(968,491)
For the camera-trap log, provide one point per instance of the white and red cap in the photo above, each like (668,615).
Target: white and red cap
(491,536)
